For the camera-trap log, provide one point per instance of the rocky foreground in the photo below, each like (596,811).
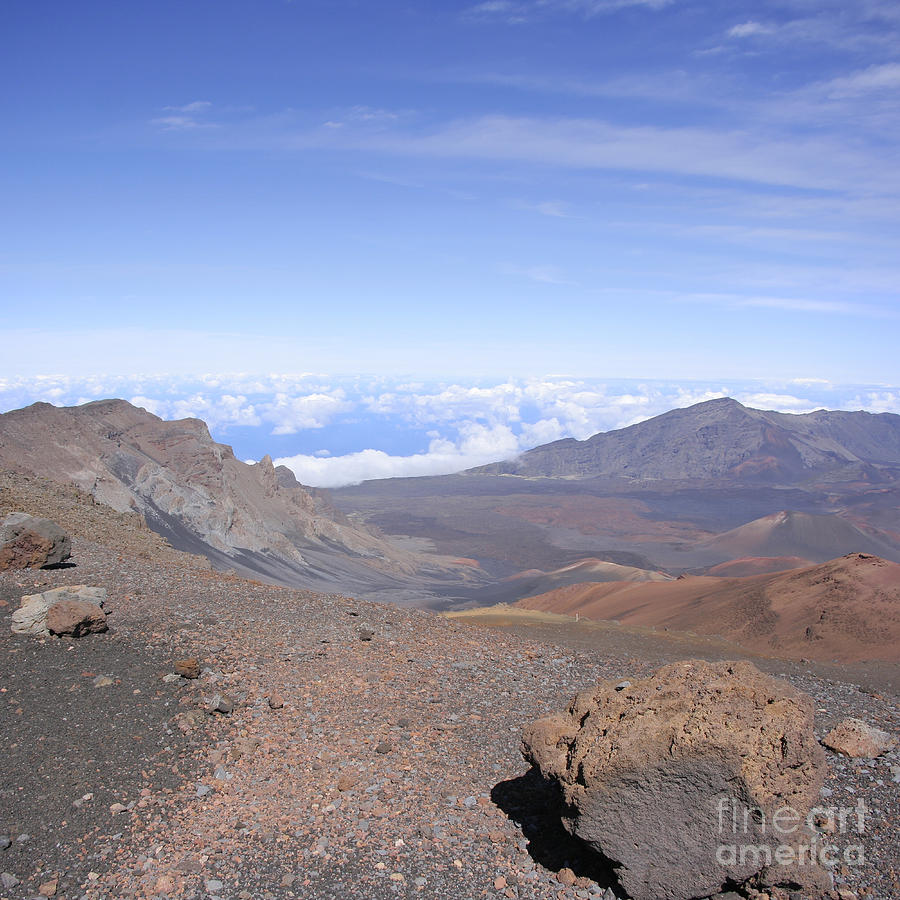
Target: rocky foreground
(328,748)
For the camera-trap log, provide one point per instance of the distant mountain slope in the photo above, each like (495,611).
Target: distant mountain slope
(817,538)
(535,581)
(847,609)
(757,565)
(197,494)
(721,439)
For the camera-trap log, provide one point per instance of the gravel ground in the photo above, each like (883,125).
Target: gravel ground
(389,766)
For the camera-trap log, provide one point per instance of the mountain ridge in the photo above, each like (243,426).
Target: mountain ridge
(687,443)
(195,492)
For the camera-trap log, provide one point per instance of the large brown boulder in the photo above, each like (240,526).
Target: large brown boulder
(27,542)
(698,776)
(75,618)
(34,610)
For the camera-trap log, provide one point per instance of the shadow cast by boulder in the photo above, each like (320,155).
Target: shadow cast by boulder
(534,804)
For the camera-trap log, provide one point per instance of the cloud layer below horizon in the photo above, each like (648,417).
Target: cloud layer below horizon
(337,430)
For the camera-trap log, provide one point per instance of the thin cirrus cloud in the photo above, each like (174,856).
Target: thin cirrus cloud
(815,162)
(750,29)
(884,77)
(520,12)
(185,118)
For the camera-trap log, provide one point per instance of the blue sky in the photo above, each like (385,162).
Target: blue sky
(672,191)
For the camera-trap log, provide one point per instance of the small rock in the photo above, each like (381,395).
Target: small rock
(221,704)
(5,842)
(276,701)
(9,880)
(187,721)
(288,880)
(102,681)
(165,884)
(622,685)
(500,883)
(171,677)
(188,668)
(204,790)
(213,885)
(48,888)
(345,782)
(365,634)
(117,808)
(855,738)
(384,747)
(566,877)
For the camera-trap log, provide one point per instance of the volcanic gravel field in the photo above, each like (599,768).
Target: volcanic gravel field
(372,751)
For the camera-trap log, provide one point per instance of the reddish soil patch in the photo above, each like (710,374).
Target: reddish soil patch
(847,609)
(758,565)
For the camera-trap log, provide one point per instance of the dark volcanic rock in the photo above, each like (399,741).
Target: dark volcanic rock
(661,776)
(29,542)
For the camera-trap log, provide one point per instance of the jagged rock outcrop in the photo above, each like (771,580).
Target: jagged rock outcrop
(673,776)
(30,542)
(195,492)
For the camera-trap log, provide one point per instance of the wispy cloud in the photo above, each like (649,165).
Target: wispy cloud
(792,304)
(195,106)
(810,161)
(675,86)
(507,11)
(798,304)
(875,78)
(519,12)
(542,274)
(553,209)
(185,118)
(750,29)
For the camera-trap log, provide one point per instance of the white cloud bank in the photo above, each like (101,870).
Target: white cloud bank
(479,445)
(444,426)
